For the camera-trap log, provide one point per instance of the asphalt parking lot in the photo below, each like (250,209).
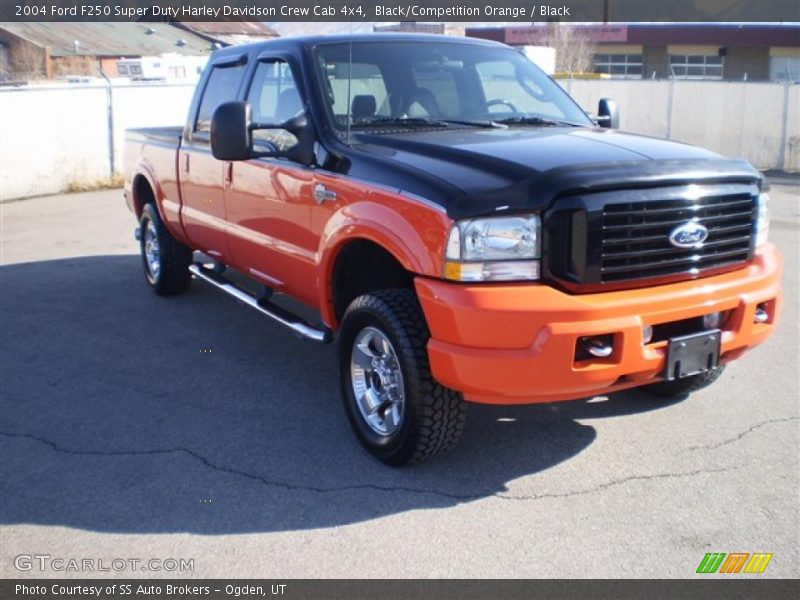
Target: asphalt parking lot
(133,426)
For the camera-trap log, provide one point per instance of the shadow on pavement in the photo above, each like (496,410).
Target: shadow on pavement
(126,412)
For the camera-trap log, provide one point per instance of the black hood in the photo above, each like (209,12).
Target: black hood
(472,172)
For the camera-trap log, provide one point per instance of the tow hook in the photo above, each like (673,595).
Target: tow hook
(137,233)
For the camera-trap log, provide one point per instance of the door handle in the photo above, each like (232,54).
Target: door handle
(186,162)
(228,173)
(321,194)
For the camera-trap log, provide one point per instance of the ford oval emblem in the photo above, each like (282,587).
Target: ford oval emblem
(688,235)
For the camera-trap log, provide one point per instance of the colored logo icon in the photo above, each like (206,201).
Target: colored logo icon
(736,562)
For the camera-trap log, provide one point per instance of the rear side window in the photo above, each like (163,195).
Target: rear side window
(222,86)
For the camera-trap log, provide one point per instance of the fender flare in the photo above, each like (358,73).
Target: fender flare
(143,169)
(376,223)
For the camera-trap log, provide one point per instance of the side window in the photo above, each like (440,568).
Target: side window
(222,86)
(274,98)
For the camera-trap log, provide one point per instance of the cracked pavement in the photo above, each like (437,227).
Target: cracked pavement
(121,437)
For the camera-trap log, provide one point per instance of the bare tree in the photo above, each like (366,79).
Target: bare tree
(574,51)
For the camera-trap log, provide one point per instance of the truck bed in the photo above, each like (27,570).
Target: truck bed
(154,150)
(162,135)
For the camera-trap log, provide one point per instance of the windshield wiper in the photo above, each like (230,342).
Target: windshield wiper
(425,122)
(401,121)
(484,124)
(537,121)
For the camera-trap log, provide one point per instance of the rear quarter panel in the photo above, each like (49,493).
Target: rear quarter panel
(152,154)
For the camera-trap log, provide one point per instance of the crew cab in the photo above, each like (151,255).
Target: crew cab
(460,227)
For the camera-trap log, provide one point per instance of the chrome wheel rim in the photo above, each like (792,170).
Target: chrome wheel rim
(377,381)
(151,250)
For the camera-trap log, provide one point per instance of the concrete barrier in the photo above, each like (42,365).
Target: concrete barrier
(56,137)
(49,138)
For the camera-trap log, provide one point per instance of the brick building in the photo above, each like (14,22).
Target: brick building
(723,51)
(42,50)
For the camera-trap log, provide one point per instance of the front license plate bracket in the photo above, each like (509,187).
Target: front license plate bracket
(693,354)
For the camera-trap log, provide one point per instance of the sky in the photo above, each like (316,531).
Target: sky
(287,29)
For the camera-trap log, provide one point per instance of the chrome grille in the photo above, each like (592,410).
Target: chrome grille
(635,235)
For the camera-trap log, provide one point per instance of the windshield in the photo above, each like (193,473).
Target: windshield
(389,83)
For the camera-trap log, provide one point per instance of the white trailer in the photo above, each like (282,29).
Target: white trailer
(167,67)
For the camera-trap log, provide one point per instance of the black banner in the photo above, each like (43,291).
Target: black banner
(393,589)
(518,11)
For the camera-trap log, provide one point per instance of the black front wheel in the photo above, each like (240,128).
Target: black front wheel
(682,387)
(397,410)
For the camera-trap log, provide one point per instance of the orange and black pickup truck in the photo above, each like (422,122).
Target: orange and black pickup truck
(462,229)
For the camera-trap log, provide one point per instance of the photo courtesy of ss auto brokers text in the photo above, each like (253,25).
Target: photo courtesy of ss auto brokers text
(337,282)
(142,590)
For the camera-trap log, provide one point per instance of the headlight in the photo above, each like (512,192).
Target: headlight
(494,249)
(762,219)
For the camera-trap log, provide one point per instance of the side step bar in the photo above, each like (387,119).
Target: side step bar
(265,307)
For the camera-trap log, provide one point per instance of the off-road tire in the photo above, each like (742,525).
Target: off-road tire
(685,386)
(434,415)
(173,275)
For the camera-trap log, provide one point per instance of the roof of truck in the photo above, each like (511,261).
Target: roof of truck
(312,40)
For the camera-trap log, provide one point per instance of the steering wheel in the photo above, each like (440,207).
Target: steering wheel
(502,102)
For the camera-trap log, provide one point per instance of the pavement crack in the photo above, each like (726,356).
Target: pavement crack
(622,481)
(366,486)
(238,472)
(739,436)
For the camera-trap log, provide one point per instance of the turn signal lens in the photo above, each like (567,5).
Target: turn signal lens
(510,270)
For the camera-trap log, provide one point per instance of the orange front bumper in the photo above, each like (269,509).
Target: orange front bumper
(515,343)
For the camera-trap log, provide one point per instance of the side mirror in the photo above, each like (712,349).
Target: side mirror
(303,151)
(230,132)
(608,114)
(232,139)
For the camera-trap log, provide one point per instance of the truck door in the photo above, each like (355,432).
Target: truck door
(201,175)
(268,200)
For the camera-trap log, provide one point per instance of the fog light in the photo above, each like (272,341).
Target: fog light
(647,334)
(600,346)
(712,320)
(761,316)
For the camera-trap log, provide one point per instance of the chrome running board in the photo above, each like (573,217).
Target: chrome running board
(264,306)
